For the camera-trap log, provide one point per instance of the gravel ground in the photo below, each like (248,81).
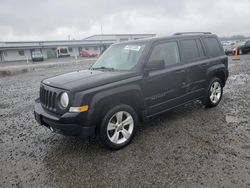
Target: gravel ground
(189,147)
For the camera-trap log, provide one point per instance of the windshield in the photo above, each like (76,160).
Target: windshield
(120,57)
(36,53)
(64,50)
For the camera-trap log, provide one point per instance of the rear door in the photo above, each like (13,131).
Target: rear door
(197,62)
(216,54)
(166,88)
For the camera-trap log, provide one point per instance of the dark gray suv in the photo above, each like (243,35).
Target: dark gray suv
(132,82)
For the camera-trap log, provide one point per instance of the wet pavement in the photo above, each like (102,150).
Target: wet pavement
(188,147)
(20,67)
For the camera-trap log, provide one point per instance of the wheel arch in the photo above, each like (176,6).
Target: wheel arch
(218,71)
(101,102)
(221,75)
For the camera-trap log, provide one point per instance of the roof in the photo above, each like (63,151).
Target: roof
(175,36)
(41,44)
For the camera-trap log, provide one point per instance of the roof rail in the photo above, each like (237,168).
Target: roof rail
(191,33)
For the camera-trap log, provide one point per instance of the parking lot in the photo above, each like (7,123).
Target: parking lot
(188,147)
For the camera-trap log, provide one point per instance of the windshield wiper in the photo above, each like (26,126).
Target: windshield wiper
(103,68)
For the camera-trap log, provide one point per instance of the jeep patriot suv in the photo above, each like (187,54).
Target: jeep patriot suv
(132,82)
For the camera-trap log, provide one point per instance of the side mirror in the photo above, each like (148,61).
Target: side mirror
(155,65)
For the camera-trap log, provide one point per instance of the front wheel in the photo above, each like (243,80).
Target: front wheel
(118,127)
(214,93)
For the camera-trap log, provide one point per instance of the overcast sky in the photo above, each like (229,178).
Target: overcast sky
(56,19)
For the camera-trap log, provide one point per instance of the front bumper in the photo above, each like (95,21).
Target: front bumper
(62,124)
(37,59)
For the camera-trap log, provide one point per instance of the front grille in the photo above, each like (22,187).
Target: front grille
(48,98)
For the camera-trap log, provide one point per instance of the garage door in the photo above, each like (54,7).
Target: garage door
(51,53)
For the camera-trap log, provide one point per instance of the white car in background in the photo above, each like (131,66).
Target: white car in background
(62,52)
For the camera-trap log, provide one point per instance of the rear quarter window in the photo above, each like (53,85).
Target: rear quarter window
(213,47)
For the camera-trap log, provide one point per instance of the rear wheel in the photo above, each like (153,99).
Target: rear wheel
(213,93)
(118,127)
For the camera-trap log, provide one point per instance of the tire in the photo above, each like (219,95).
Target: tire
(118,127)
(214,93)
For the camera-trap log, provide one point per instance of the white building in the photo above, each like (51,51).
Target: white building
(17,51)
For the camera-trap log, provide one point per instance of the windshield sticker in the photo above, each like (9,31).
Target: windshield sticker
(132,47)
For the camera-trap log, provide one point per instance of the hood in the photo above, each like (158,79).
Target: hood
(86,79)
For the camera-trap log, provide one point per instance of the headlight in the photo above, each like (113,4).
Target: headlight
(64,100)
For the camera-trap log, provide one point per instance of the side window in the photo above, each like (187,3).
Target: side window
(201,48)
(167,51)
(213,47)
(190,49)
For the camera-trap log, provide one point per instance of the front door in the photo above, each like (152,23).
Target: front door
(166,88)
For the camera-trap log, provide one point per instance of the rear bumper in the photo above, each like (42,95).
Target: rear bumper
(57,125)
(227,75)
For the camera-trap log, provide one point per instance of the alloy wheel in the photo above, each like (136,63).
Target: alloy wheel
(215,92)
(120,127)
